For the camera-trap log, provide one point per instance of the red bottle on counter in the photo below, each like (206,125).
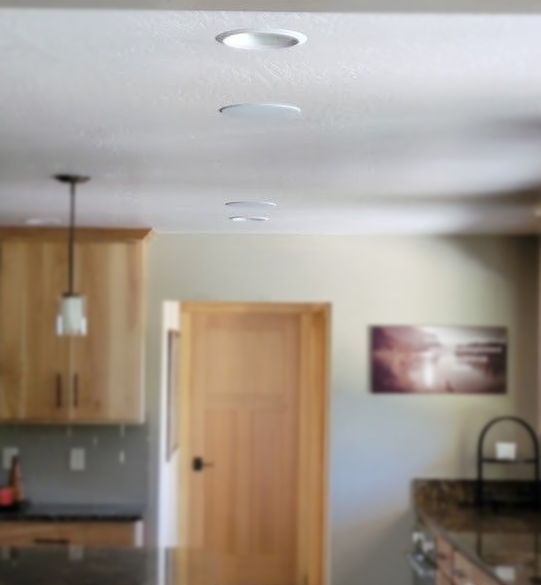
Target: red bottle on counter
(16,481)
(6,497)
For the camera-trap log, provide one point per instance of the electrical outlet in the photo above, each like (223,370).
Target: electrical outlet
(77,459)
(76,552)
(7,456)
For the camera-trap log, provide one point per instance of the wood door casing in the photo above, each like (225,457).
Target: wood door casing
(33,360)
(258,415)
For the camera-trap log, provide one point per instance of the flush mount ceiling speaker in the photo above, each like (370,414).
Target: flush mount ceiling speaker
(263,112)
(248,218)
(261,40)
(251,204)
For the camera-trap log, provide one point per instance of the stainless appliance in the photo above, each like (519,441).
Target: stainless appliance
(422,558)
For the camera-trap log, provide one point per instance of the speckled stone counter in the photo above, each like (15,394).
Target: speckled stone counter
(505,543)
(73,513)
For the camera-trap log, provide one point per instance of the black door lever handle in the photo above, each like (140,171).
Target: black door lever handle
(198,464)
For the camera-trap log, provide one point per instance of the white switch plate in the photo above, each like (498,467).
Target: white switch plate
(7,455)
(76,552)
(77,459)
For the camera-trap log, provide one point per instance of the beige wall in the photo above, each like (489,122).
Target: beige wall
(379,443)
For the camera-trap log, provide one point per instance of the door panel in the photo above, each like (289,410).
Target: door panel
(33,359)
(12,332)
(248,399)
(274,482)
(245,377)
(47,383)
(106,369)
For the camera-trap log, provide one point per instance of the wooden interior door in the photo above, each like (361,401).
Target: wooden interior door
(254,406)
(33,360)
(107,365)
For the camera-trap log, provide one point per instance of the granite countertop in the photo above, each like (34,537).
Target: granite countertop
(73,513)
(504,543)
(128,566)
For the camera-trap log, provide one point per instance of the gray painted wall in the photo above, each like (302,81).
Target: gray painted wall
(378,443)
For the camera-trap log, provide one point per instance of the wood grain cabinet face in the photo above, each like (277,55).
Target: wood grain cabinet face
(455,569)
(442,579)
(33,360)
(107,365)
(106,534)
(444,554)
(466,573)
(92,379)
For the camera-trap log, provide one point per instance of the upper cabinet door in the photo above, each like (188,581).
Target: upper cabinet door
(33,360)
(107,366)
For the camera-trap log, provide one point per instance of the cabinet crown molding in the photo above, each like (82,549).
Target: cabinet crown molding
(84,234)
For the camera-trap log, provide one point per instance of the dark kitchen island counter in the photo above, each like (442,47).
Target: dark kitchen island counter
(73,513)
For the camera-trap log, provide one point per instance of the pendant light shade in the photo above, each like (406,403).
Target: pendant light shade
(71,319)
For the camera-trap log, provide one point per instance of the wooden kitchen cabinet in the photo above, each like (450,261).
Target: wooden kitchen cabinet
(92,534)
(33,360)
(442,579)
(455,569)
(107,365)
(466,573)
(93,379)
(444,556)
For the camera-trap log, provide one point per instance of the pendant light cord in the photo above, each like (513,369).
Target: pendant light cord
(71,243)
(71,180)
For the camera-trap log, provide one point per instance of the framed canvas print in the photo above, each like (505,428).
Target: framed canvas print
(173,387)
(408,359)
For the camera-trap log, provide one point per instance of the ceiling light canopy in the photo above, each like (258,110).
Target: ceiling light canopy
(261,40)
(261,111)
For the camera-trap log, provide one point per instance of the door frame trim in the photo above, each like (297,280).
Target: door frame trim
(313,532)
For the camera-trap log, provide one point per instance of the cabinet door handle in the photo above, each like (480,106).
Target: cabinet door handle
(58,391)
(76,390)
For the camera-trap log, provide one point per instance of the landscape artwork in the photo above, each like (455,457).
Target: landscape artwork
(438,360)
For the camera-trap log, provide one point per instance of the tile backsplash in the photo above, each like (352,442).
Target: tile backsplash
(115,463)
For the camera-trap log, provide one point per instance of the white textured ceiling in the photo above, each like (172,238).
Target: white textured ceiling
(412,123)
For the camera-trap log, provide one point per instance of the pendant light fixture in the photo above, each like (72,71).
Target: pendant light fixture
(71,319)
